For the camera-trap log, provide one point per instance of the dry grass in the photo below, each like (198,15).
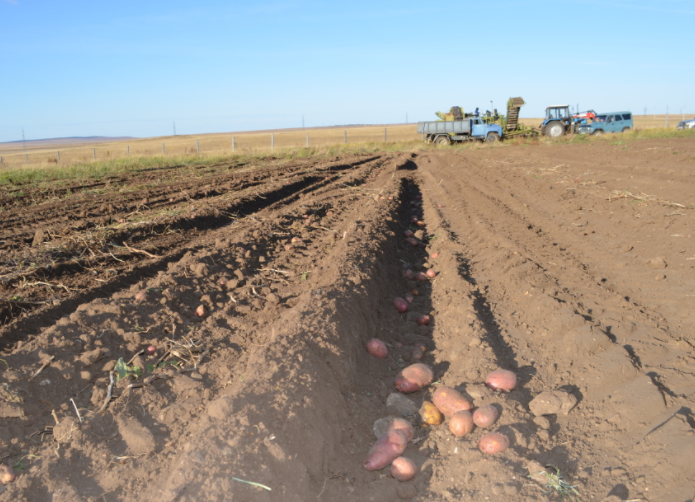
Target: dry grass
(209,144)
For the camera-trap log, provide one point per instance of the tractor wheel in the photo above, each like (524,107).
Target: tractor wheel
(493,137)
(555,129)
(442,140)
(626,129)
(598,132)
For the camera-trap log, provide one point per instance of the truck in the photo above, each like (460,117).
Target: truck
(444,132)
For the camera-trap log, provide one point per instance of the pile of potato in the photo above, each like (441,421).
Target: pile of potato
(446,402)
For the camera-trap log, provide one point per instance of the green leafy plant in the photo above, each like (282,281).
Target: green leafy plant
(123,370)
(555,481)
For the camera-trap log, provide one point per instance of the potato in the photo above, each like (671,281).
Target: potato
(435,254)
(430,414)
(418,352)
(408,274)
(450,401)
(200,311)
(377,348)
(141,296)
(492,443)
(503,380)
(403,469)
(421,277)
(408,233)
(401,305)
(423,320)
(413,378)
(386,449)
(401,424)
(412,241)
(7,475)
(485,416)
(431,273)
(409,298)
(461,423)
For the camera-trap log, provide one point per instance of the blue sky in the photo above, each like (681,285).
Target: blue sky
(85,68)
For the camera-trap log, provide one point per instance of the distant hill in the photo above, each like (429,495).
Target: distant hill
(42,143)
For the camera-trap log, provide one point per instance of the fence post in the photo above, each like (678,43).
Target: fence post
(58,156)
(384,135)
(345,136)
(233,144)
(162,148)
(94,153)
(272,140)
(1,162)
(128,152)
(197,147)
(307,140)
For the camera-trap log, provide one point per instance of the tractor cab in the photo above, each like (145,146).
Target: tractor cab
(558,121)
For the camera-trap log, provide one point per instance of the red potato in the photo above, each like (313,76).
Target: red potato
(408,274)
(439,205)
(401,305)
(431,273)
(503,380)
(435,254)
(200,311)
(387,448)
(408,233)
(418,352)
(401,424)
(414,219)
(492,443)
(421,277)
(412,241)
(413,378)
(485,416)
(377,348)
(403,469)
(420,223)
(415,292)
(409,298)
(7,475)
(151,350)
(423,320)
(223,281)
(461,423)
(142,295)
(450,401)
(296,240)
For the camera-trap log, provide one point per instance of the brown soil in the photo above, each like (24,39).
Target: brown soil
(571,265)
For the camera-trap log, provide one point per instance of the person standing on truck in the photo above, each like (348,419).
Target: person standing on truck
(477,112)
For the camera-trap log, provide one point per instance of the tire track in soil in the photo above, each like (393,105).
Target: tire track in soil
(605,374)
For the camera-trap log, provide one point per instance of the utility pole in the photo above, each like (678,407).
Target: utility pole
(406,117)
(24,141)
(174,122)
(302,121)
(645,111)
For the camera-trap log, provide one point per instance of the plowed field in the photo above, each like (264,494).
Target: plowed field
(173,335)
